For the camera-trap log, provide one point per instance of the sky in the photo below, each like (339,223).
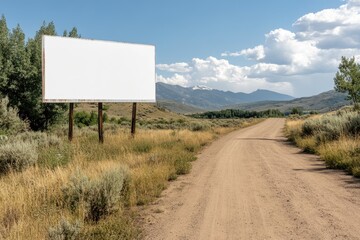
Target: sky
(292,47)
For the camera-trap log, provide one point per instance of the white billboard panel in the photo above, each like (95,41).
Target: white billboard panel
(81,70)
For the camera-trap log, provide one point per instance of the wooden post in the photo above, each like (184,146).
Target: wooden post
(133,120)
(100,123)
(71,121)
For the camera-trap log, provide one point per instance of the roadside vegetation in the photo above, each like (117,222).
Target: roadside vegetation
(51,189)
(334,136)
(236,113)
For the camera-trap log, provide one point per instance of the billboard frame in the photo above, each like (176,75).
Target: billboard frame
(93,100)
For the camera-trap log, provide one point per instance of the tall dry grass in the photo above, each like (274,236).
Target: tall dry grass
(334,137)
(35,202)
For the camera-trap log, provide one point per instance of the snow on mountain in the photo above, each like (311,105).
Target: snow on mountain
(201,87)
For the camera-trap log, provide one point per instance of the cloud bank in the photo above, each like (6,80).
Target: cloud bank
(285,60)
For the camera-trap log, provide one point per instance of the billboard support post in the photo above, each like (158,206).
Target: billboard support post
(100,123)
(71,121)
(133,120)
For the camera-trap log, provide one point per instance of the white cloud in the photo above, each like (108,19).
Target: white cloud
(332,28)
(176,79)
(312,48)
(256,53)
(220,74)
(175,67)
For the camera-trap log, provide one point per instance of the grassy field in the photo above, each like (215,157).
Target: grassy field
(333,136)
(51,189)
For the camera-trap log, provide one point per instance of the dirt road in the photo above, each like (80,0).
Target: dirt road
(251,184)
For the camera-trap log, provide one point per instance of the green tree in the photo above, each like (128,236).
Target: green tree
(347,79)
(21,74)
(74,33)
(297,110)
(4,52)
(39,114)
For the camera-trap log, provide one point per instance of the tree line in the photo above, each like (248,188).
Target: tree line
(21,74)
(236,113)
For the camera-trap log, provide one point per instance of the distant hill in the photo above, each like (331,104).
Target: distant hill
(323,102)
(178,107)
(202,97)
(148,111)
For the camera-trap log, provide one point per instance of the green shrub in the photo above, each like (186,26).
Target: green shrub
(356,171)
(64,230)
(353,127)
(172,176)
(17,156)
(198,127)
(104,194)
(182,163)
(105,117)
(10,123)
(106,107)
(100,196)
(74,193)
(41,139)
(83,118)
(52,150)
(332,127)
(297,111)
(310,127)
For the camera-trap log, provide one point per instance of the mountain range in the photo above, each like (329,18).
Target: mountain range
(209,99)
(201,98)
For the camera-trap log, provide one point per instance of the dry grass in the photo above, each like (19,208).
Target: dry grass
(334,137)
(32,201)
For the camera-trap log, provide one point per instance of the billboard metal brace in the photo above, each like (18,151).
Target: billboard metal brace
(71,121)
(100,123)
(133,120)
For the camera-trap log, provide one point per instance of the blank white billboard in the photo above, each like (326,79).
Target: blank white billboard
(81,70)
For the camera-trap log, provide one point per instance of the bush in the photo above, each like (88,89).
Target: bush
(75,192)
(10,123)
(17,156)
(356,171)
(310,127)
(297,111)
(198,127)
(64,230)
(83,119)
(104,194)
(332,127)
(41,139)
(52,150)
(100,196)
(354,125)
(182,163)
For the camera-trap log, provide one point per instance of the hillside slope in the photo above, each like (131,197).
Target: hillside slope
(147,111)
(323,102)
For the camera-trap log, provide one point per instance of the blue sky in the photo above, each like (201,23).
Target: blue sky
(200,42)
